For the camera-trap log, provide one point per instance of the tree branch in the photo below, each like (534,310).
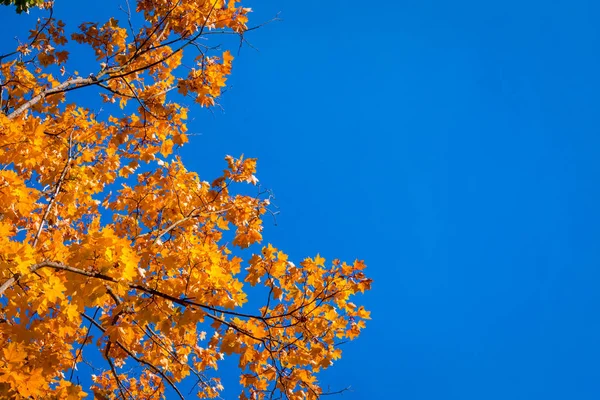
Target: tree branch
(184,302)
(70,83)
(136,358)
(54,195)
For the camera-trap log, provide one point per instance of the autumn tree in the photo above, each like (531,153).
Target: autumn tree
(110,246)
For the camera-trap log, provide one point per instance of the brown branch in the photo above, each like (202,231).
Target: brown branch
(54,195)
(156,339)
(35,37)
(112,294)
(10,281)
(78,354)
(184,302)
(319,299)
(178,222)
(337,392)
(136,358)
(136,53)
(108,74)
(114,371)
(70,83)
(133,286)
(173,53)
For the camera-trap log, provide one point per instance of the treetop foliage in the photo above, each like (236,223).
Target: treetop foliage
(108,242)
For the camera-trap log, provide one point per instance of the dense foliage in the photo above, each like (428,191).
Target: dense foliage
(108,242)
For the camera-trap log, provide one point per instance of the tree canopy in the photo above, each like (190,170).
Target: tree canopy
(109,246)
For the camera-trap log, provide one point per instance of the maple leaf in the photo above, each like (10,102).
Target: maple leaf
(13,355)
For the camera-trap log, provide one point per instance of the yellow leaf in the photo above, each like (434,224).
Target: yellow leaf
(13,354)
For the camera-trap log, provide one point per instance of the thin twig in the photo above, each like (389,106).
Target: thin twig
(55,194)
(136,358)
(87,335)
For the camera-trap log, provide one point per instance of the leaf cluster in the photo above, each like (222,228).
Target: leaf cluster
(23,5)
(107,241)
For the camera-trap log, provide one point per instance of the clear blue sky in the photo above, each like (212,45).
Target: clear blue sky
(453,146)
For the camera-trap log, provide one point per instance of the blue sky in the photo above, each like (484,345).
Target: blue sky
(454,147)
